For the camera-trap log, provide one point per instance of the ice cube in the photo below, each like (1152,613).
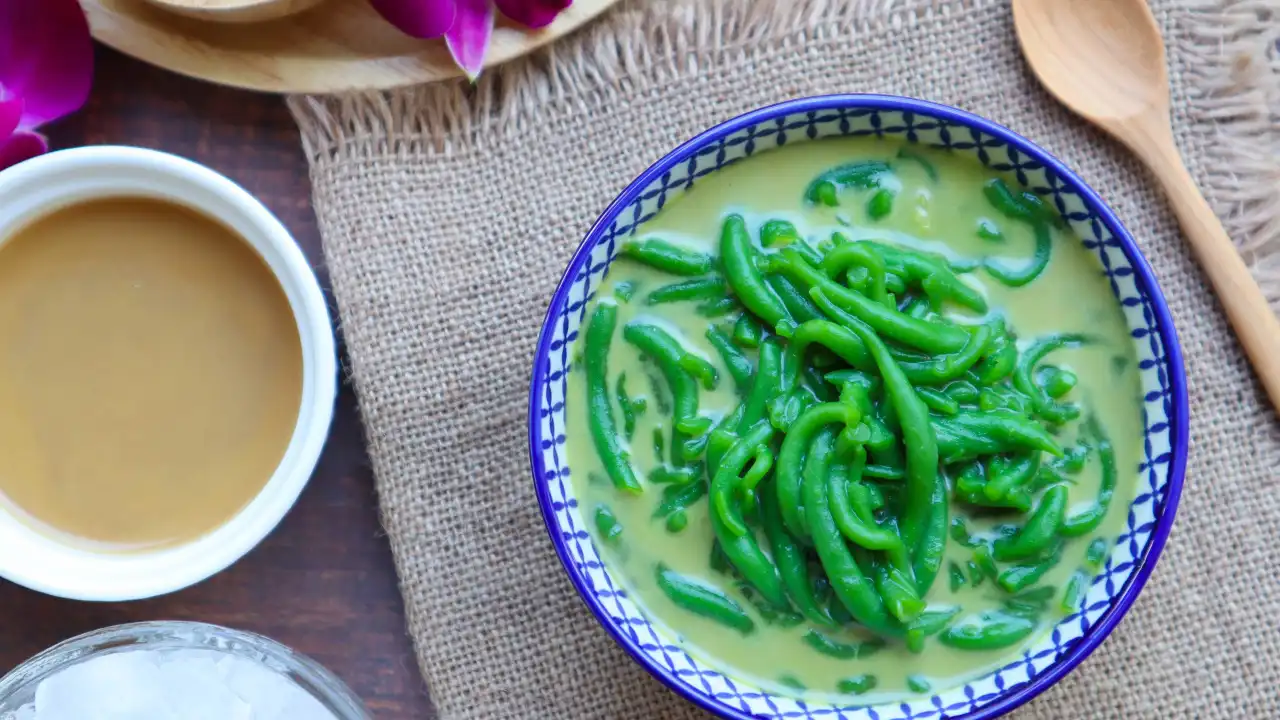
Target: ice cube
(195,690)
(257,686)
(119,686)
(26,712)
(272,695)
(170,685)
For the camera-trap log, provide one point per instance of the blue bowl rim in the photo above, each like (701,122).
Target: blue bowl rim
(1144,278)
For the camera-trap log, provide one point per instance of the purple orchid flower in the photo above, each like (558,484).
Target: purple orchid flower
(46,68)
(466,25)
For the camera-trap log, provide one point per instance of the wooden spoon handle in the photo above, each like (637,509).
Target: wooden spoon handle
(1255,323)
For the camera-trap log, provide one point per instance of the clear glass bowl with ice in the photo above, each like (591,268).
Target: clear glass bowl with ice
(174,671)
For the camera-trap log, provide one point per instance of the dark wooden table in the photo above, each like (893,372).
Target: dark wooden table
(323,582)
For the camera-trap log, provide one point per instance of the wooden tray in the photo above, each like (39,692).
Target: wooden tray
(340,45)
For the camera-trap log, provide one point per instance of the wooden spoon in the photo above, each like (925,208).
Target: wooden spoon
(236,11)
(1104,59)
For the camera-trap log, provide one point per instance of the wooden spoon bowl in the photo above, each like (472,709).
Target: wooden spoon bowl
(236,11)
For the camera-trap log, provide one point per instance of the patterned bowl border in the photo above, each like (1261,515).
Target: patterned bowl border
(1132,282)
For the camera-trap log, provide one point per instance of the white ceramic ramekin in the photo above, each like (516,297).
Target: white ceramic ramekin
(39,186)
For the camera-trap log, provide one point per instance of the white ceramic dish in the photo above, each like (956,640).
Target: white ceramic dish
(44,184)
(236,11)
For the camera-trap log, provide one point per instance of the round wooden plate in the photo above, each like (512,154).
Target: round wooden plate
(340,45)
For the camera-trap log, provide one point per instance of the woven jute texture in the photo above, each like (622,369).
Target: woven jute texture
(448,213)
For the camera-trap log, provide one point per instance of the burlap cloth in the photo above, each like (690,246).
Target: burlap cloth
(448,214)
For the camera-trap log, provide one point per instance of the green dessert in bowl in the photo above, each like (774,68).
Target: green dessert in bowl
(854,422)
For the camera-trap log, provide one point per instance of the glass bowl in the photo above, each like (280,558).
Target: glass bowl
(18,688)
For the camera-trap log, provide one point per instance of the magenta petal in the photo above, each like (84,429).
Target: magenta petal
(418,18)
(10,114)
(533,13)
(46,58)
(21,146)
(468,39)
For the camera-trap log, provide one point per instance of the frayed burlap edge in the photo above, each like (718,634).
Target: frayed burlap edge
(1232,96)
(1234,99)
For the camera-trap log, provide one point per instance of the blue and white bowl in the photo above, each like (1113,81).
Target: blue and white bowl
(1164,384)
